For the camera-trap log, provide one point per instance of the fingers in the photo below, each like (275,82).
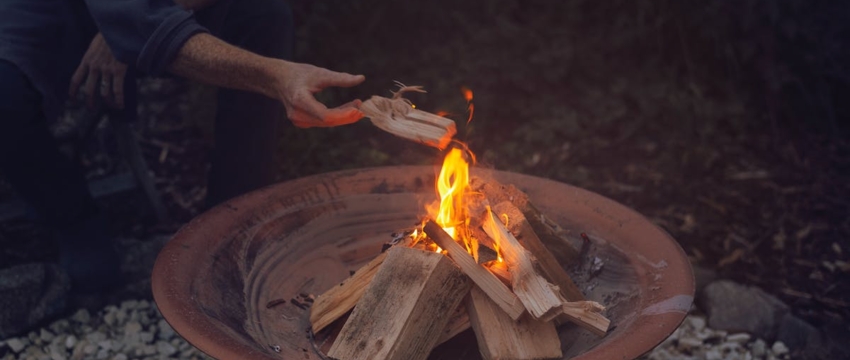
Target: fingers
(339,79)
(118,89)
(90,87)
(77,80)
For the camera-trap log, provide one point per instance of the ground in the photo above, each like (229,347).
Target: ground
(722,123)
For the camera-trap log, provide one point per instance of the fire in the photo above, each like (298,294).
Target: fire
(452,214)
(467,94)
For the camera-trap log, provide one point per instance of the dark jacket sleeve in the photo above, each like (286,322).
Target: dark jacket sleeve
(148,33)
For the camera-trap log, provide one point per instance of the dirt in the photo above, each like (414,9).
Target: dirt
(721,122)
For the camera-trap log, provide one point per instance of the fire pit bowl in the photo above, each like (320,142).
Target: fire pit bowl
(224,282)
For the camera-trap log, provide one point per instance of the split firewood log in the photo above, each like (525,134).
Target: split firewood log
(398,116)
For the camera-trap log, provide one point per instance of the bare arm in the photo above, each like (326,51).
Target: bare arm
(207,59)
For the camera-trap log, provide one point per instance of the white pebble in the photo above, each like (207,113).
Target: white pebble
(688,343)
(146,337)
(105,345)
(82,316)
(46,336)
(57,356)
(740,338)
(96,337)
(779,348)
(17,345)
(697,323)
(149,350)
(109,318)
(713,354)
(759,348)
(89,349)
(102,354)
(132,328)
(165,330)
(119,357)
(165,348)
(70,341)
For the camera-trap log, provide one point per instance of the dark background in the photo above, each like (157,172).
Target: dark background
(724,122)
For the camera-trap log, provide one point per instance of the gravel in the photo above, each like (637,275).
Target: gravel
(136,330)
(694,340)
(132,330)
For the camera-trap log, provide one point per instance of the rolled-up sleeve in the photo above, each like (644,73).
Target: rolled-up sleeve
(148,33)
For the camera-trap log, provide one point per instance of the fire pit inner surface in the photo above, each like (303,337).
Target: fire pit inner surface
(216,278)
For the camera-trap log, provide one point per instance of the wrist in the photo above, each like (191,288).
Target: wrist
(276,73)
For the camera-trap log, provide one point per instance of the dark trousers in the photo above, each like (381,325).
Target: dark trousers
(246,124)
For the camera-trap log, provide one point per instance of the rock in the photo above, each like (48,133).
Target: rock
(779,348)
(165,348)
(119,357)
(146,337)
(689,343)
(70,341)
(95,337)
(109,318)
(740,338)
(702,277)
(734,307)
(16,345)
(30,293)
(797,334)
(758,348)
(149,350)
(713,354)
(696,322)
(165,330)
(89,349)
(132,328)
(82,316)
(46,336)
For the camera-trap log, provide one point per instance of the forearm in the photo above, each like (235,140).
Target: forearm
(207,59)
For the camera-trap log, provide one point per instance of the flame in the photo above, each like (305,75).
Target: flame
(470,106)
(452,214)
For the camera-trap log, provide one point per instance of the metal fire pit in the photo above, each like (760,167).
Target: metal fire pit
(214,280)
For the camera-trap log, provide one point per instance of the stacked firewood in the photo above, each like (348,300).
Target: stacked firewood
(427,288)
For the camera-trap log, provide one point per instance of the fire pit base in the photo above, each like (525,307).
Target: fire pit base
(232,281)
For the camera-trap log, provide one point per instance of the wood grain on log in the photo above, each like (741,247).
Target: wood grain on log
(339,299)
(500,337)
(405,308)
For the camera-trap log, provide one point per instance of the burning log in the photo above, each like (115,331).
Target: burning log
(541,298)
(399,315)
(337,301)
(500,337)
(535,292)
(547,230)
(552,270)
(397,116)
(489,283)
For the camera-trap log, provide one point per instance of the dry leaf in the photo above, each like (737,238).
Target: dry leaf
(733,257)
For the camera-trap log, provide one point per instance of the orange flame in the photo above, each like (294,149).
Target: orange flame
(467,94)
(453,187)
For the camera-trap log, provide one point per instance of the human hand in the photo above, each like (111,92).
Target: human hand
(295,86)
(100,69)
